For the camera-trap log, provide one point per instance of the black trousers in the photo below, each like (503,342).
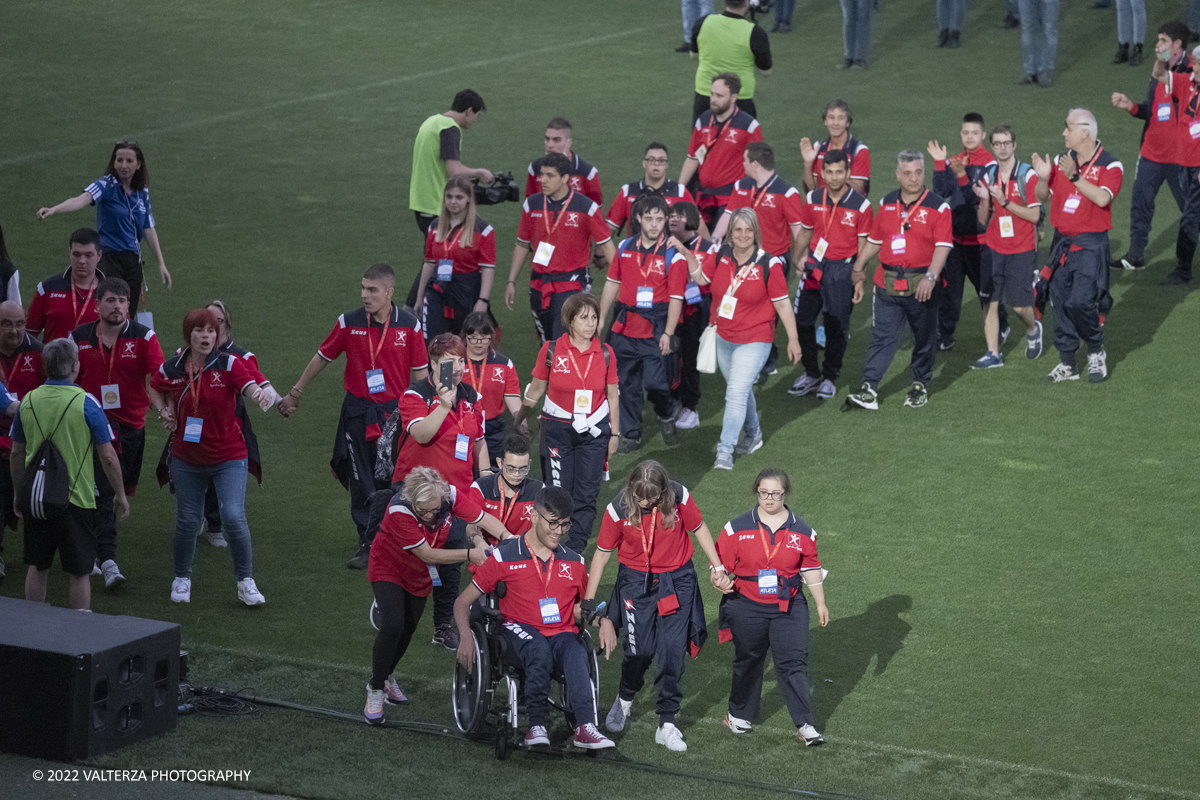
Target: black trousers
(962,264)
(647,636)
(548,321)
(688,331)
(1150,177)
(9,517)
(133,445)
(399,613)
(1189,223)
(126,265)
(758,628)
(447,304)
(641,367)
(888,317)
(575,462)
(702,103)
(834,296)
(362,472)
(424,222)
(450,575)
(1075,290)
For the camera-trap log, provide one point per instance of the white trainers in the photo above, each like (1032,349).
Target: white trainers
(249,594)
(96,569)
(181,590)
(618,714)
(373,710)
(803,385)
(215,538)
(808,734)
(670,736)
(112,574)
(737,725)
(688,420)
(1097,366)
(1064,372)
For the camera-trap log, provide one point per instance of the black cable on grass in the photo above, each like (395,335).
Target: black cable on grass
(615,759)
(215,701)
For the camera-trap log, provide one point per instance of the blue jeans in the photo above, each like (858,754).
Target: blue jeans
(693,11)
(950,14)
(740,364)
(1131,21)
(856,28)
(783,10)
(1039,35)
(1193,19)
(191,482)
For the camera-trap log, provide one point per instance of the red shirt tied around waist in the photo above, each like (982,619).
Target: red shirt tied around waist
(531,581)
(747,548)
(452,450)
(400,532)
(208,431)
(379,356)
(117,375)
(1071,213)
(669,547)
(743,295)
(577,381)
(638,268)
(463,260)
(909,233)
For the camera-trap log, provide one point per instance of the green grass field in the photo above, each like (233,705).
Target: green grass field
(1013,583)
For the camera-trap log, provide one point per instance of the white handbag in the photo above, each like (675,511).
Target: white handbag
(706,358)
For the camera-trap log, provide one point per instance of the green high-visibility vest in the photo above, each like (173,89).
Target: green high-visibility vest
(724,44)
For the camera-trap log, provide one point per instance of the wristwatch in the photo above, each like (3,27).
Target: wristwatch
(1078,175)
(931,276)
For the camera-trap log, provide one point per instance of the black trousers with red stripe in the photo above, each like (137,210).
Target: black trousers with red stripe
(575,461)
(758,628)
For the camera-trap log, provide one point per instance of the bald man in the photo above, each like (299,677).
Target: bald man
(1080,187)
(20,372)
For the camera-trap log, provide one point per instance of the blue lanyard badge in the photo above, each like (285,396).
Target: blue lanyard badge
(549,607)
(375,382)
(445,269)
(645,297)
(692,293)
(768,581)
(191,430)
(1164,112)
(433,574)
(462,447)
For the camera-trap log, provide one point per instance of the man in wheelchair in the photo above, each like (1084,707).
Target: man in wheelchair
(545,582)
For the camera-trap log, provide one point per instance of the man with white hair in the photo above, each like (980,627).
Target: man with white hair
(1080,185)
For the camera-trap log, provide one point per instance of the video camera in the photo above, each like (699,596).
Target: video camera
(502,189)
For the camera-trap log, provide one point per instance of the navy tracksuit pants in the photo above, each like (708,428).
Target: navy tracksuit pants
(540,656)
(888,317)
(1149,179)
(575,461)
(641,367)
(757,628)
(834,296)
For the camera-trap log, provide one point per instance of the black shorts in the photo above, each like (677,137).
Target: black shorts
(73,536)
(1012,278)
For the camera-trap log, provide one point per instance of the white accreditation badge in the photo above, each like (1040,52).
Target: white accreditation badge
(819,251)
(1006,228)
(645,297)
(691,294)
(727,307)
(375,382)
(583,402)
(445,269)
(542,255)
(1071,204)
(110,396)
(899,245)
(462,447)
(433,574)
(192,429)
(768,581)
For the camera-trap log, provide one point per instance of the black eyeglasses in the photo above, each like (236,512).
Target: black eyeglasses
(765,495)
(658,162)
(562,525)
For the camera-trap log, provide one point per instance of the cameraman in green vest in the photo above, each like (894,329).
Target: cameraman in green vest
(729,43)
(75,422)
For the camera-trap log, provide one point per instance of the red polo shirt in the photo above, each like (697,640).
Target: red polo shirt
(856,151)
(585,179)
(637,266)
(21,373)
(670,547)
(211,398)
(1021,235)
(562,579)
(746,546)
(719,146)
(481,253)
(59,307)
(1187,146)
(753,317)
(573,371)
(400,532)
(569,226)
(136,356)
(358,335)
(621,209)
(515,513)
(1070,212)
(494,378)
(442,452)
(778,206)
(923,226)
(842,225)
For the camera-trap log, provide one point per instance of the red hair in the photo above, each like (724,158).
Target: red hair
(446,344)
(198,318)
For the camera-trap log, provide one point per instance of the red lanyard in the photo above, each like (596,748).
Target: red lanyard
(648,545)
(721,130)
(1083,170)
(762,192)
(537,562)
(584,374)
(374,351)
(75,309)
(737,280)
(194,384)
(646,257)
(476,377)
(763,538)
(506,510)
(908,210)
(447,246)
(112,354)
(546,213)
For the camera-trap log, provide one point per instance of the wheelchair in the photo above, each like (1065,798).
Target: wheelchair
(487,700)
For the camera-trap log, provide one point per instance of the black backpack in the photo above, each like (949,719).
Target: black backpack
(45,491)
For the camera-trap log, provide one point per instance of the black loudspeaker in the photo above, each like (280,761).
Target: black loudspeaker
(74,685)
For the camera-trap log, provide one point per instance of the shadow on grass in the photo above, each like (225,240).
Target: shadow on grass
(843,651)
(1143,306)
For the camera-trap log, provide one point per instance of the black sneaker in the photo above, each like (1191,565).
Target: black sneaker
(918,395)
(946,344)
(360,559)
(1178,278)
(446,635)
(628,446)
(1131,263)
(684,48)
(866,397)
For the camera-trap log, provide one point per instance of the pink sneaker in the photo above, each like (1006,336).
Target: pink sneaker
(536,735)
(588,738)
(373,711)
(391,692)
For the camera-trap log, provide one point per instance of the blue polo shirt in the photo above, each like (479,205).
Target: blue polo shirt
(121,218)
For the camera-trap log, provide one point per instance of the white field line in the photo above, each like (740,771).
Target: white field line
(230,116)
(887,748)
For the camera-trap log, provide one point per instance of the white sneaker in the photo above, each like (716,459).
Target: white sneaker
(1064,372)
(216,538)
(667,734)
(618,714)
(96,569)
(181,590)
(248,593)
(1097,366)
(112,574)
(737,725)
(826,390)
(803,385)
(688,420)
(808,734)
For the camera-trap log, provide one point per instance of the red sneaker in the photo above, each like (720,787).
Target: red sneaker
(536,735)
(588,738)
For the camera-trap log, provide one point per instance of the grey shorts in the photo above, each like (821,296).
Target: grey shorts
(1012,277)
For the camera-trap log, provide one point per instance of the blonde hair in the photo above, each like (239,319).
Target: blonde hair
(423,484)
(747,216)
(444,229)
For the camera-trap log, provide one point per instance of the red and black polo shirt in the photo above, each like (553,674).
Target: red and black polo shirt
(908,234)
(395,347)
(1070,212)
(455,461)
(515,513)
(778,206)
(719,146)
(638,268)
(59,307)
(747,546)
(205,406)
(585,179)
(118,376)
(670,547)
(621,209)
(531,582)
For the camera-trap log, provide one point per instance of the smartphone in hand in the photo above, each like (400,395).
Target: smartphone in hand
(446,373)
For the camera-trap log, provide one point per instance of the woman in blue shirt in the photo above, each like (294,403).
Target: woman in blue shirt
(123,217)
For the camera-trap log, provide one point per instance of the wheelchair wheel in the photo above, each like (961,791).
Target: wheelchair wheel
(501,744)
(471,690)
(373,615)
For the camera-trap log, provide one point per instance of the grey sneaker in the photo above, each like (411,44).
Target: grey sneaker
(724,461)
(112,574)
(747,446)
(628,446)
(1097,366)
(826,390)
(668,426)
(988,360)
(215,538)
(866,397)
(804,385)
(1033,344)
(688,420)
(446,635)
(918,395)
(1063,372)
(361,557)
(618,714)
(736,724)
